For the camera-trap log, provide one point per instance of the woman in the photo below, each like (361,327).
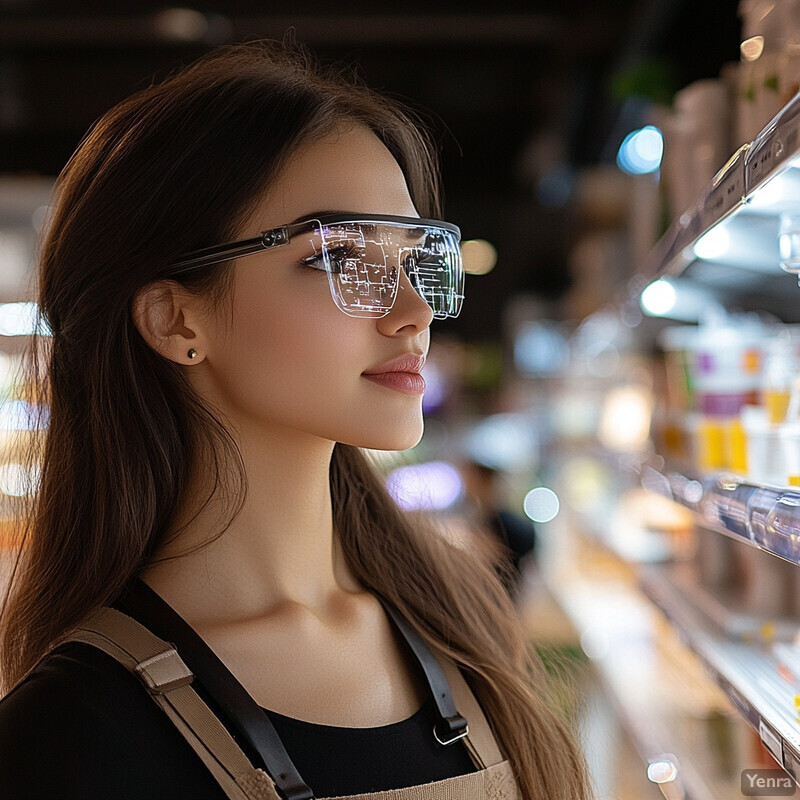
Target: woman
(203,454)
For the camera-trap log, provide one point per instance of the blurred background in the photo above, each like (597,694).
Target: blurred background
(522,96)
(614,418)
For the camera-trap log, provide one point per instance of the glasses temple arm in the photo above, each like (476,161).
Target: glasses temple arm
(244,247)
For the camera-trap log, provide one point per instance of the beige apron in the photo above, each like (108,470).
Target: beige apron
(157,664)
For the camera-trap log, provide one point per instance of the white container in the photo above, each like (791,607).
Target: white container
(780,370)
(790,445)
(765,448)
(790,435)
(722,362)
(725,365)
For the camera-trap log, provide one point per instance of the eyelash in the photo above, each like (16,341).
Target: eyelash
(342,251)
(305,263)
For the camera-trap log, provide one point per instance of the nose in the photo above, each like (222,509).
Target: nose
(408,309)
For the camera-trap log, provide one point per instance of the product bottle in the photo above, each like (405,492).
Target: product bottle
(780,370)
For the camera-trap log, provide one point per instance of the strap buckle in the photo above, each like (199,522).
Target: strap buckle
(164,672)
(455,725)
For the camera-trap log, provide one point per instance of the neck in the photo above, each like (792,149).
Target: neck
(280,551)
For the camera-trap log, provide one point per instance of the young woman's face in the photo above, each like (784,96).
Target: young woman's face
(291,358)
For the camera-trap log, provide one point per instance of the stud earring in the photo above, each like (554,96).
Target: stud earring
(192,353)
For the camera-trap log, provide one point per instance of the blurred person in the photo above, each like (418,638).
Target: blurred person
(512,545)
(217,596)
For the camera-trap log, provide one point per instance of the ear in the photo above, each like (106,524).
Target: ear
(168,317)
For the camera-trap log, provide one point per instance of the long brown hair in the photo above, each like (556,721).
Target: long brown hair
(174,168)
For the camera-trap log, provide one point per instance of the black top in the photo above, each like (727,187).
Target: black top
(82,726)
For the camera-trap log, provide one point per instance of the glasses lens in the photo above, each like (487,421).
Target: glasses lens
(363,260)
(436,271)
(362,277)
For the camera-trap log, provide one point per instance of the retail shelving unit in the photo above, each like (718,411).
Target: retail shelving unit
(728,659)
(746,674)
(745,200)
(766,517)
(659,690)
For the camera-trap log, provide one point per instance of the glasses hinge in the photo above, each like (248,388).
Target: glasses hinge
(274,237)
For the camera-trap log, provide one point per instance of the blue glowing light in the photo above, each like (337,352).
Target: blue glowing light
(641,151)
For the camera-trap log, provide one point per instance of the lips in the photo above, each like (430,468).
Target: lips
(408,362)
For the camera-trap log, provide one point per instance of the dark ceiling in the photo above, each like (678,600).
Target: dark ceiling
(515,89)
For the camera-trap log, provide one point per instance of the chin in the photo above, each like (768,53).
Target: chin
(397,439)
(405,445)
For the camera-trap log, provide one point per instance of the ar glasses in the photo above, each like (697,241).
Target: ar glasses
(363,255)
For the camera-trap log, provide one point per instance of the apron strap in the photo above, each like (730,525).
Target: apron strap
(450,725)
(480,741)
(250,720)
(158,665)
(255,725)
(167,678)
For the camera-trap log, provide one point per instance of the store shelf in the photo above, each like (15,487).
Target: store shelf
(657,688)
(766,517)
(621,534)
(746,673)
(625,679)
(725,196)
(744,202)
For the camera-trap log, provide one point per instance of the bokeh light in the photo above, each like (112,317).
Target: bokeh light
(641,151)
(658,298)
(479,256)
(435,485)
(541,504)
